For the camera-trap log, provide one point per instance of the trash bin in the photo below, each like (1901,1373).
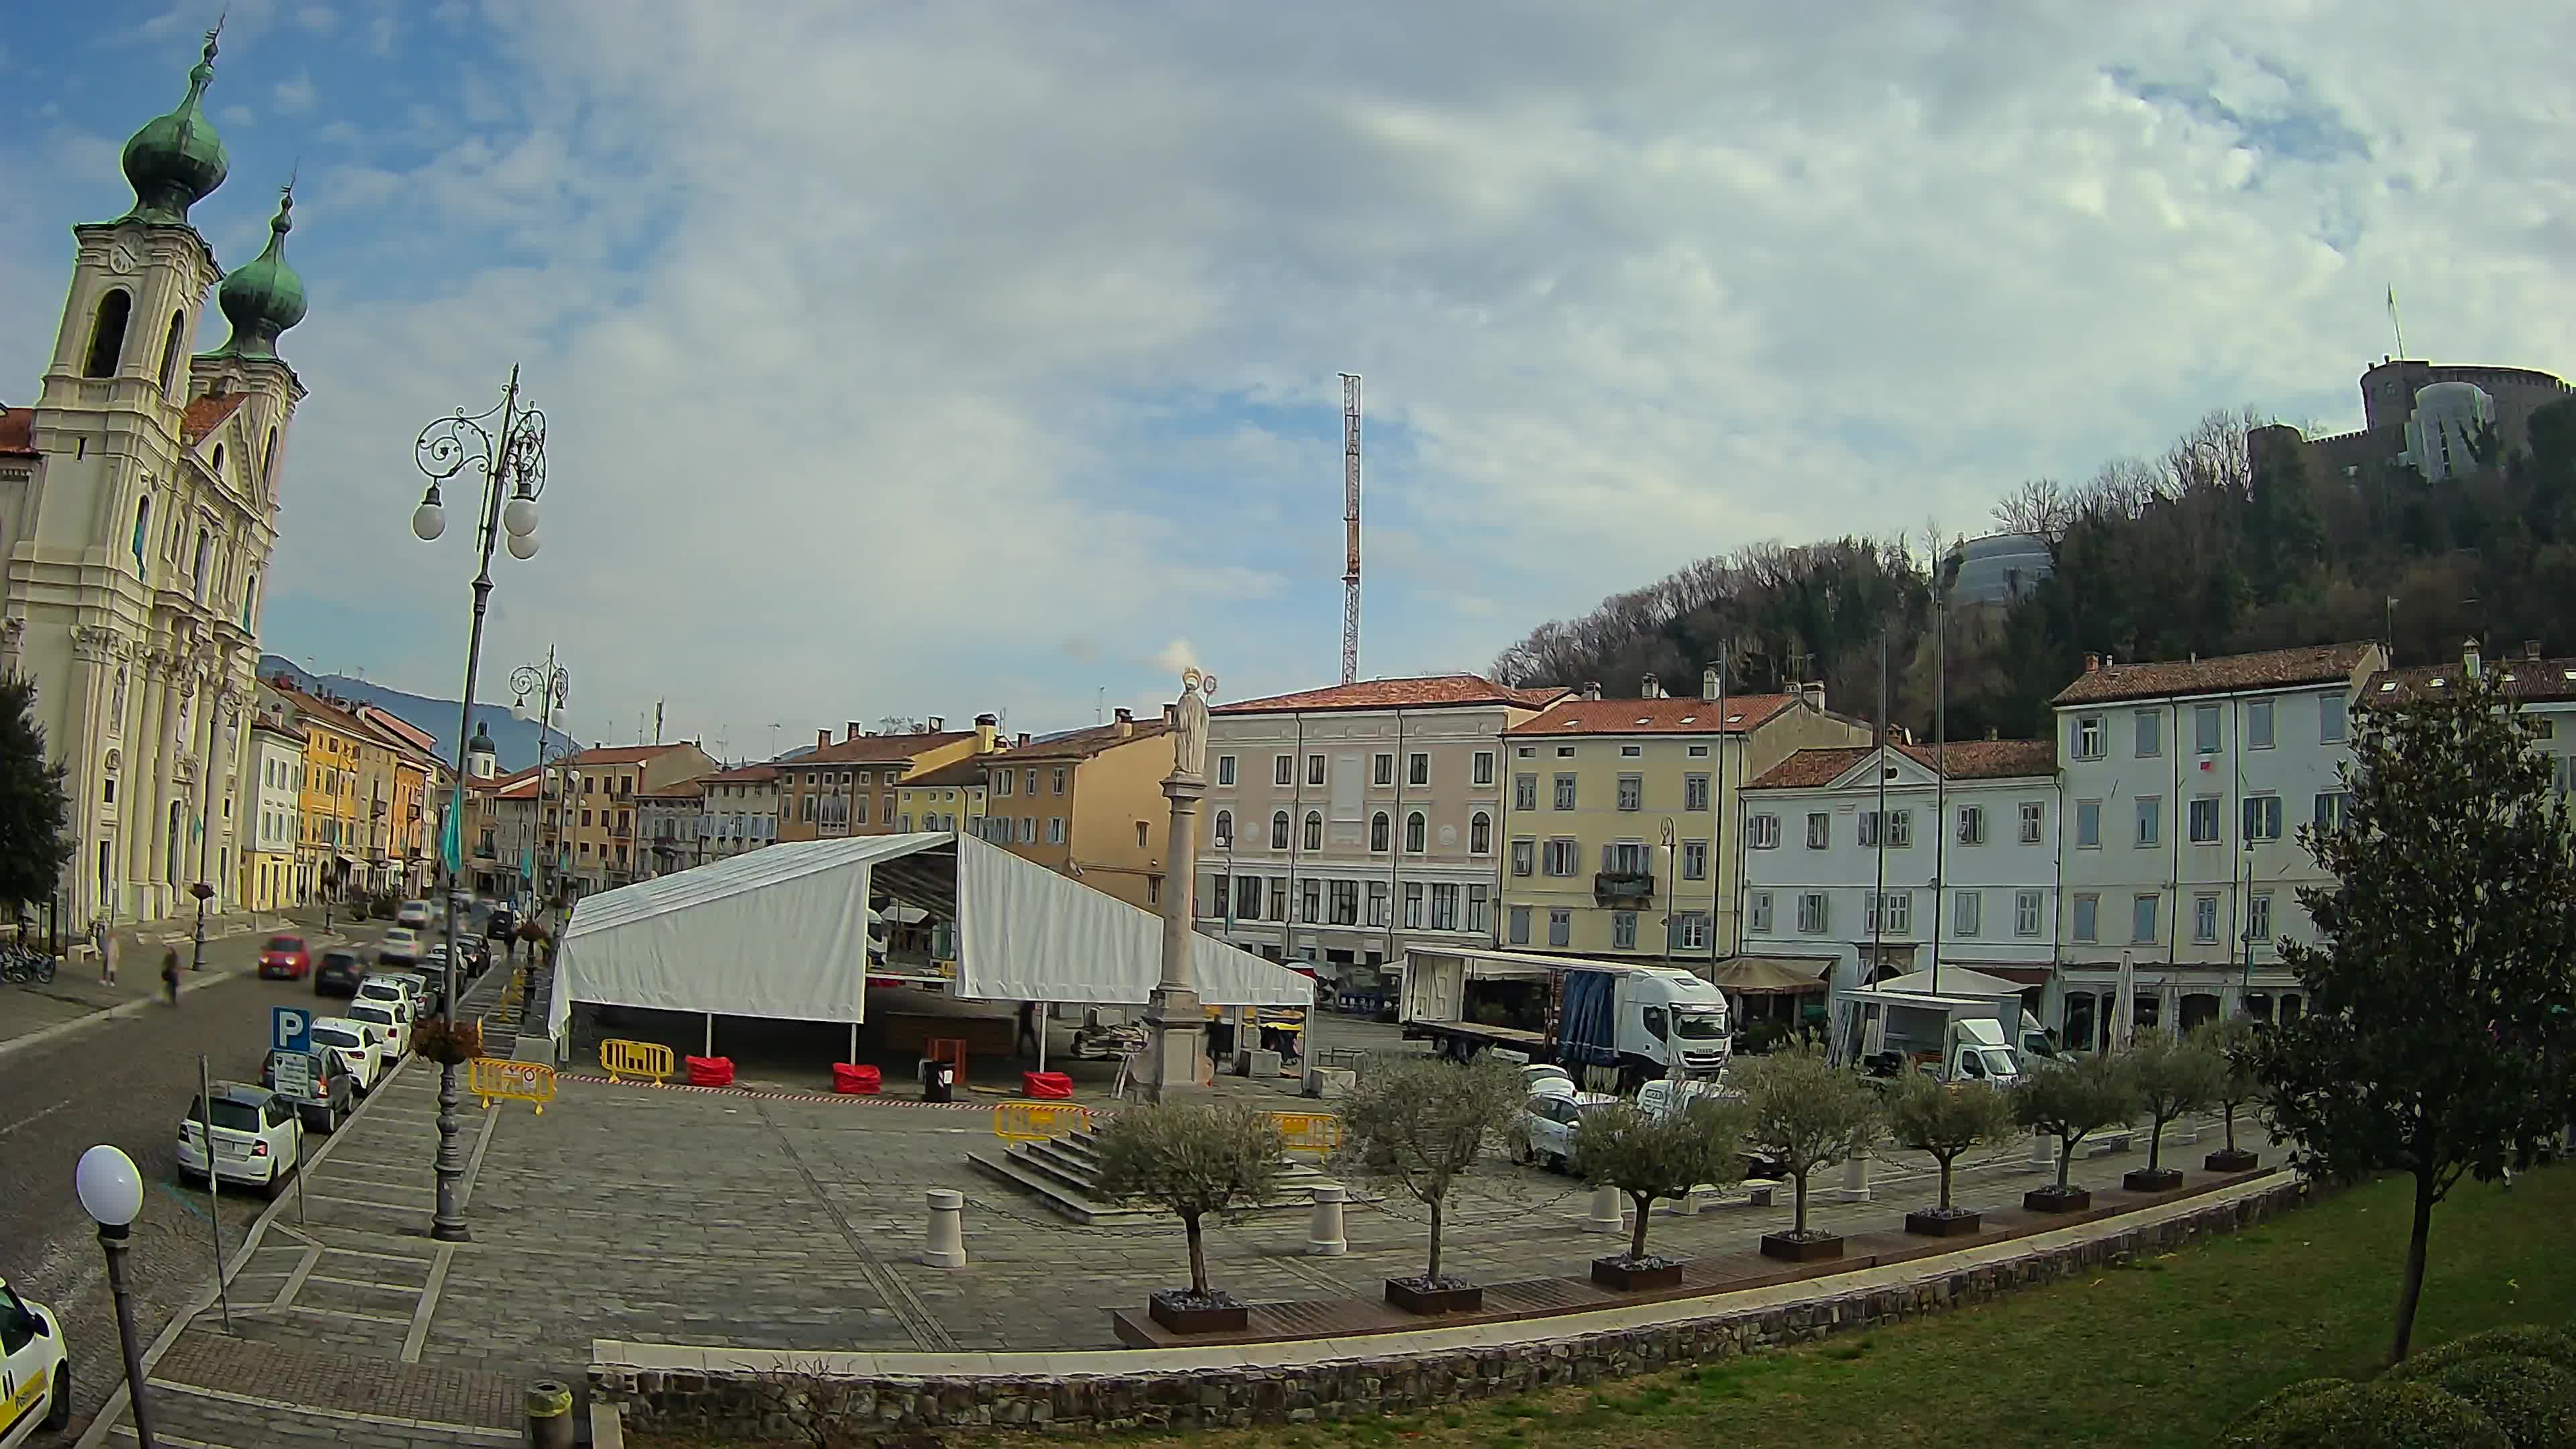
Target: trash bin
(938,1081)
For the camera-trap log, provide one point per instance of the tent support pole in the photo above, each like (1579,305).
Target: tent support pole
(710,1049)
(854,1041)
(1041,1027)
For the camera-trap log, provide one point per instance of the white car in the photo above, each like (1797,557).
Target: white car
(1535,1073)
(386,1021)
(258,1137)
(394,991)
(357,1047)
(1549,1121)
(35,1370)
(413,914)
(400,947)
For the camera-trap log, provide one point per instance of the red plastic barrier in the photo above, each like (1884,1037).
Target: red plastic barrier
(710,1071)
(851,1080)
(1045,1085)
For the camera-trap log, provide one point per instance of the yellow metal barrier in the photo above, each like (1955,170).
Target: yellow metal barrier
(1309,1131)
(641,1061)
(1038,1121)
(493,1079)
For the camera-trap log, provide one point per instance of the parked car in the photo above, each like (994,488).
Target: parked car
(35,1369)
(501,925)
(339,974)
(400,947)
(413,915)
(1550,1120)
(356,1048)
(258,1137)
(334,1091)
(390,989)
(473,957)
(284,957)
(388,1022)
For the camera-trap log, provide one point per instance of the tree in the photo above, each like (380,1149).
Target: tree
(34,845)
(2232,1042)
(1420,1123)
(1191,1159)
(2438,1031)
(2072,1101)
(1808,1112)
(1945,1121)
(1648,1156)
(2172,1075)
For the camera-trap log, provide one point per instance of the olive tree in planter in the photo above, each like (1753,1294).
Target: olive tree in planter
(1418,1124)
(2071,1101)
(1192,1159)
(1945,1120)
(1649,1156)
(2233,1042)
(2171,1075)
(1806,1114)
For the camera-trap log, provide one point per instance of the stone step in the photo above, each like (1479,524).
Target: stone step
(1032,1167)
(1055,1194)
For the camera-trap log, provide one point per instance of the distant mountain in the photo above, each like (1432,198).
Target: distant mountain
(514,739)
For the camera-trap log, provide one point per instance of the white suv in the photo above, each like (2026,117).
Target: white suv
(401,947)
(414,914)
(258,1137)
(356,1047)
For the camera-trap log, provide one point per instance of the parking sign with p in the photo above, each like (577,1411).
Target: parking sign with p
(290,1029)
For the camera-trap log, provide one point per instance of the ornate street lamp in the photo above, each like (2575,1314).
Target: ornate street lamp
(511,457)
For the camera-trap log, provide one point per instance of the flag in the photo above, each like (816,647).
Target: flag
(451,843)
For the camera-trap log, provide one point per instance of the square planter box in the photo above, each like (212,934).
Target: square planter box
(1937,1225)
(2162,1179)
(2051,1200)
(1414,1296)
(1615,1273)
(1185,1313)
(2235,1159)
(1800,1250)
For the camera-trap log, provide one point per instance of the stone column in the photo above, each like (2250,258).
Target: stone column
(1608,1211)
(142,808)
(1324,1234)
(84,725)
(1175,1024)
(1855,1186)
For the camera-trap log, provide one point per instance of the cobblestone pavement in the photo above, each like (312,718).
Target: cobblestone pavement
(794,1222)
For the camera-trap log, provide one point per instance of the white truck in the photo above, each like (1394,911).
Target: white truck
(1958,1038)
(1601,1020)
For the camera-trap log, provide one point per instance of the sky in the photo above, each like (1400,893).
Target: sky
(909,358)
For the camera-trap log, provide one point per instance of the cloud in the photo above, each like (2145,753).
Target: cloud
(320,19)
(887,351)
(1176,657)
(294,95)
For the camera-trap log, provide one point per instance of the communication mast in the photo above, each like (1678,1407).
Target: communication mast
(1351,527)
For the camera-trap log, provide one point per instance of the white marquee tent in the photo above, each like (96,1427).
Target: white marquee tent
(783,932)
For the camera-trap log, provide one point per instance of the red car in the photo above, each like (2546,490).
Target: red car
(284,957)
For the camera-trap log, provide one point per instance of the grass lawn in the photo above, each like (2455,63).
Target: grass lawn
(2164,1353)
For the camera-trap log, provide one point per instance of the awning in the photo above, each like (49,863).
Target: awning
(1957,981)
(782,932)
(1769,975)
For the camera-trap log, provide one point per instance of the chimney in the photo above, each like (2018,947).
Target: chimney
(822,738)
(938,724)
(2469,658)
(1024,739)
(1126,723)
(1592,689)
(1815,694)
(987,727)
(2092,663)
(850,730)
(2531,649)
(1708,683)
(1650,688)
(1171,715)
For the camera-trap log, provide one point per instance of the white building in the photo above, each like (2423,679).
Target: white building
(2544,689)
(1340,825)
(1962,871)
(2185,783)
(138,506)
(273,813)
(741,811)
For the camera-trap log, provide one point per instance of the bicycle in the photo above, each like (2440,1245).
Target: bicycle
(20,966)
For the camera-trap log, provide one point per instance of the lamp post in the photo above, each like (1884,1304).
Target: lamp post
(197,956)
(555,683)
(111,1192)
(512,460)
(1673,877)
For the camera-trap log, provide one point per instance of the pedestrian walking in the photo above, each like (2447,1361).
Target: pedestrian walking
(105,940)
(170,973)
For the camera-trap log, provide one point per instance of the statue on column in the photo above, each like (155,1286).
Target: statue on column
(1190,727)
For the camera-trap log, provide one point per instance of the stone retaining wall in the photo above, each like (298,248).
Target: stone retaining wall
(756,1405)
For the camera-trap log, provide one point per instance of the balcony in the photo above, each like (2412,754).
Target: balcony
(1622,888)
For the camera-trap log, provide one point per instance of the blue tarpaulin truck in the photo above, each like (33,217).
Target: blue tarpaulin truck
(1613,1024)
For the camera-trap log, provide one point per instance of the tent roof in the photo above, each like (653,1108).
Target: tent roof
(1769,975)
(1955,981)
(782,932)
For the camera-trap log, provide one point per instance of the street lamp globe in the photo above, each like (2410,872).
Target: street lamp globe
(519,516)
(429,520)
(523,545)
(111,1190)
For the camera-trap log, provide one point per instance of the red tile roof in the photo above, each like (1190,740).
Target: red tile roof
(18,433)
(1968,760)
(1426,692)
(2529,680)
(624,754)
(745,774)
(2271,669)
(206,414)
(877,749)
(1083,744)
(1655,716)
(500,783)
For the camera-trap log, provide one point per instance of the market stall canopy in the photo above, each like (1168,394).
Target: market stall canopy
(1769,975)
(1955,981)
(783,932)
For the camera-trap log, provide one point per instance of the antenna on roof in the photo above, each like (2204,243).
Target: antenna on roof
(2393,324)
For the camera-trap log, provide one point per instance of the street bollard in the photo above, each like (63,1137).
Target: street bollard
(1324,1235)
(1681,1205)
(1606,1214)
(1855,1186)
(549,1415)
(946,1245)
(2043,1153)
(2186,1130)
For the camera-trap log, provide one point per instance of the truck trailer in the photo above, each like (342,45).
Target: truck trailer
(1607,1022)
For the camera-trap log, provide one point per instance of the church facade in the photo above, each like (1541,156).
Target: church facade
(138,510)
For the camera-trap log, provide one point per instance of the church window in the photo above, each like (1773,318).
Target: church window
(219,460)
(107,333)
(170,352)
(250,598)
(197,575)
(268,461)
(142,529)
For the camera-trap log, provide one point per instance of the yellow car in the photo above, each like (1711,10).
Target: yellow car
(35,1371)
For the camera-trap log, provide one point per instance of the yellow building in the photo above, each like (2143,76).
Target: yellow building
(607,849)
(847,787)
(330,843)
(1088,804)
(1596,787)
